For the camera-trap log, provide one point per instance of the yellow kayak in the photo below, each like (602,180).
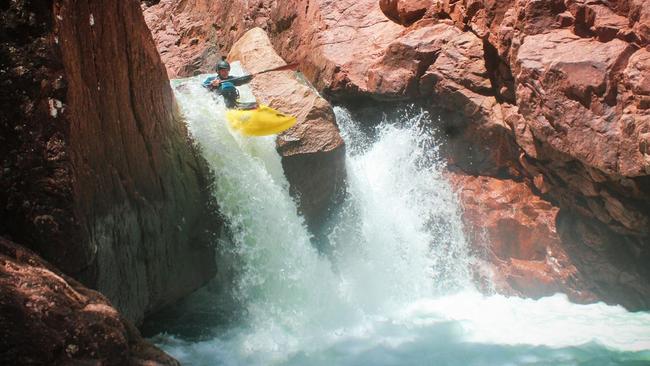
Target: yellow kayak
(260,121)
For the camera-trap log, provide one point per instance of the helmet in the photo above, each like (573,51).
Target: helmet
(223,64)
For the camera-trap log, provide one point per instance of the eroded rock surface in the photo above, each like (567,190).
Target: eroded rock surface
(405,12)
(97,175)
(313,152)
(334,42)
(515,230)
(50,319)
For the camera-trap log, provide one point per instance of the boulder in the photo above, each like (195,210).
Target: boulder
(636,81)
(572,99)
(50,319)
(566,85)
(639,16)
(461,62)
(192,35)
(313,152)
(397,74)
(604,22)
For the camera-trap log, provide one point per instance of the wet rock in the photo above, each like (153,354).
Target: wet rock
(50,319)
(514,230)
(313,152)
(616,265)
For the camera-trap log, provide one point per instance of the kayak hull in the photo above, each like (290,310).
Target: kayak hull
(261,121)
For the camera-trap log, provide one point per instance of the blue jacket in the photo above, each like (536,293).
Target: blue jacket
(227,88)
(237,81)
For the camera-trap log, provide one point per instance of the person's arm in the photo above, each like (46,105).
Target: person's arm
(241,80)
(211,83)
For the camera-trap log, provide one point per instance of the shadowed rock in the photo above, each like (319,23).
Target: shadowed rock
(50,319)
(98,175)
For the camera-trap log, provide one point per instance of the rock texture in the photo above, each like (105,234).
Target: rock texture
(405,11)
(550,93)
(516,231)
(50,319)
(313,152)
(333,41)
(97,174)
(559,72)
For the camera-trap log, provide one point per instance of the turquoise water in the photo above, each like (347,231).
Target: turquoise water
(393,286)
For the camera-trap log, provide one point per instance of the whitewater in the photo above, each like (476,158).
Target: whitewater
(391,285)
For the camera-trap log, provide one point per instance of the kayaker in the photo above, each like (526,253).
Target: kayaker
(225,84)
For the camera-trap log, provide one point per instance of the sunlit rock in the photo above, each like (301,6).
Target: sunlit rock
(313,153)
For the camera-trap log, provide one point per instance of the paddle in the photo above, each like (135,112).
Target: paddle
(279,68)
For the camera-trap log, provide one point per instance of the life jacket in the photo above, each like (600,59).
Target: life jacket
(228,90)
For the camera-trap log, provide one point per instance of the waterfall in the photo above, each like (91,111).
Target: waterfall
(393,285)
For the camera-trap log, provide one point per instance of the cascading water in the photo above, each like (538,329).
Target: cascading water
(393,285)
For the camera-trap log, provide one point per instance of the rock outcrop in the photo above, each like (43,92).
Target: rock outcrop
(97,175)
(405,12)
(313,152)
(50,319)
(553,94)
(515,230)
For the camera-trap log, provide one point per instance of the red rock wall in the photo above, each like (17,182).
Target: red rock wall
(97,172)
(553,94)
(50,319)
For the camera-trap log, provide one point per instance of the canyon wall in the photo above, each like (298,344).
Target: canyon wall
(312,151)
(547,100)
(97,173)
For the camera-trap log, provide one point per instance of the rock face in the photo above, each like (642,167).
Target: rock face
(560,72)
(550,93)
(50,319)
(334,51)
(516,231)
(97,174)
(313,152)
(405,12)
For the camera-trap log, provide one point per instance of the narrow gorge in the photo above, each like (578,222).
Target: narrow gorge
(467,183)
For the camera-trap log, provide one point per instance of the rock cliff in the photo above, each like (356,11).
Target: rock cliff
(97,174)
